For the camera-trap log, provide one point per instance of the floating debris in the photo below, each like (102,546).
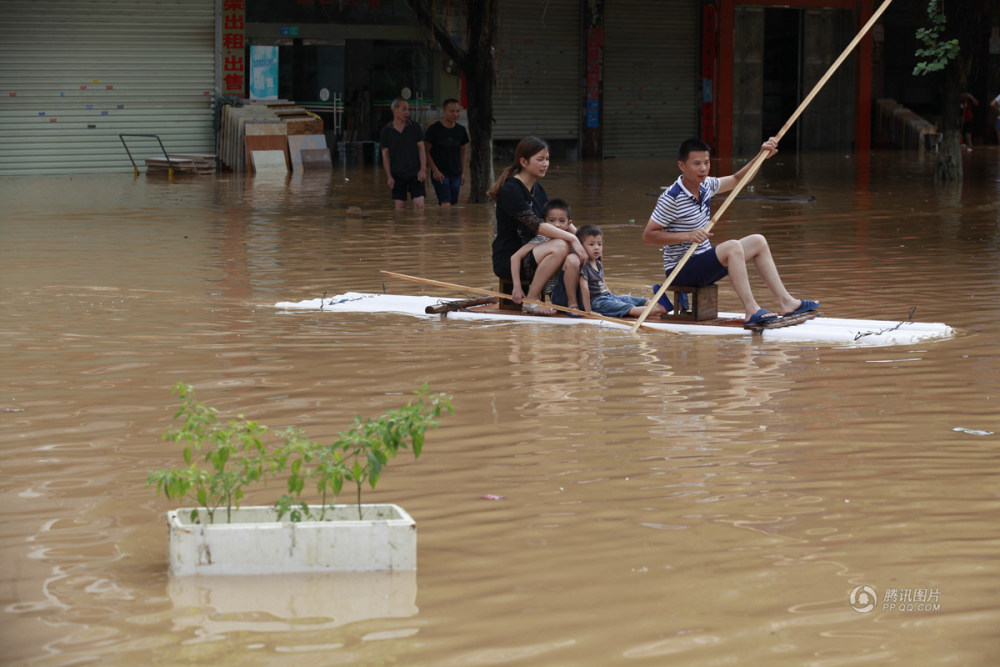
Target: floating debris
(862,334)
(971,431)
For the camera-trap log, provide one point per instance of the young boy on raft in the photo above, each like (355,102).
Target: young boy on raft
(594,293)
(556,213)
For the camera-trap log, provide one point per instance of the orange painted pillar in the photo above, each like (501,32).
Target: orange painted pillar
(863,84)
(724,84)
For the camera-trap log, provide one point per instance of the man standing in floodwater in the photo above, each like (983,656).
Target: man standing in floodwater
(679,219)
(446,142)
(403,156)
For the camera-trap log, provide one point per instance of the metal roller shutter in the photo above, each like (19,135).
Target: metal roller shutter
(651,80)
(538,58)
(74,74)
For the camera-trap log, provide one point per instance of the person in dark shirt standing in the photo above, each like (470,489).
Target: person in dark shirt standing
(403,156)
(446,142)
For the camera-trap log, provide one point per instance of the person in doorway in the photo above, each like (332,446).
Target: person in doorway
(967,101)
(679,219)
(446,142)
(595,297)
(520,206)
(403,156)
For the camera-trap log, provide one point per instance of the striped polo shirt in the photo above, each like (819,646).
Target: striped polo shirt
(677,210)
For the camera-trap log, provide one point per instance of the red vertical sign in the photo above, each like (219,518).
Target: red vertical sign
(233,31)
(595,46)
(708,54)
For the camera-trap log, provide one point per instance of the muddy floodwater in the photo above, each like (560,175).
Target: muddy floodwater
(598,498)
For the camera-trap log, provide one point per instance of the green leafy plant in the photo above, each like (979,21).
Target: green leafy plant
(233,456)
(936,52)
(371,443)
(232,450)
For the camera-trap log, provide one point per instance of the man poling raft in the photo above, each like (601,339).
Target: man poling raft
(758,319)
(679,221)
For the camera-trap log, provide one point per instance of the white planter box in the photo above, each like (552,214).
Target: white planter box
(256,543)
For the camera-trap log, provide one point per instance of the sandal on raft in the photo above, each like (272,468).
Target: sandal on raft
(804,307)
(535,309)
(760,319)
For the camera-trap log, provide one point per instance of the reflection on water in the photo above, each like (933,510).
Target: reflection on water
(682,499)
(214,606)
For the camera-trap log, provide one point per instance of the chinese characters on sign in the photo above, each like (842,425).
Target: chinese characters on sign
(595,43)
(263,72)
(233,67)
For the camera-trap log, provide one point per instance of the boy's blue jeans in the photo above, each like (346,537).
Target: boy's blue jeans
(613,305)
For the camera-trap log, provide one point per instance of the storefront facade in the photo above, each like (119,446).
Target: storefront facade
(602,78)
(768,60)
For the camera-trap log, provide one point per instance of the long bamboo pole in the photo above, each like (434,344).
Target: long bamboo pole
(762,155)
(477,290)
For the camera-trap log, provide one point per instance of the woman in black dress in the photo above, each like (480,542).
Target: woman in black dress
(520,200)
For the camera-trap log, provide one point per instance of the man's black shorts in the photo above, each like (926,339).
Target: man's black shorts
(700,270)
(407,184)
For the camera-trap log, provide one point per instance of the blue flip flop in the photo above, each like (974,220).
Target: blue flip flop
(761,318)
(804,307)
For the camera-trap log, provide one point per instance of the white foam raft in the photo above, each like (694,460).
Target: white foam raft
(819,330)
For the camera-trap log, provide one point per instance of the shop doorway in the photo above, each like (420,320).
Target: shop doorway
(781,72)
(376,72)
(779,55)
(310,73)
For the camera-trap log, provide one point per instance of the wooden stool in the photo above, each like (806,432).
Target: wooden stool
(704,303)
(506,287)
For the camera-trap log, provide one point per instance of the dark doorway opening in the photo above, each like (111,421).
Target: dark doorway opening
(782,54)
(310,72)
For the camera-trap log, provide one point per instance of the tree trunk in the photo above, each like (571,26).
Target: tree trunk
(480,74)
(949,161)
(478,68)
